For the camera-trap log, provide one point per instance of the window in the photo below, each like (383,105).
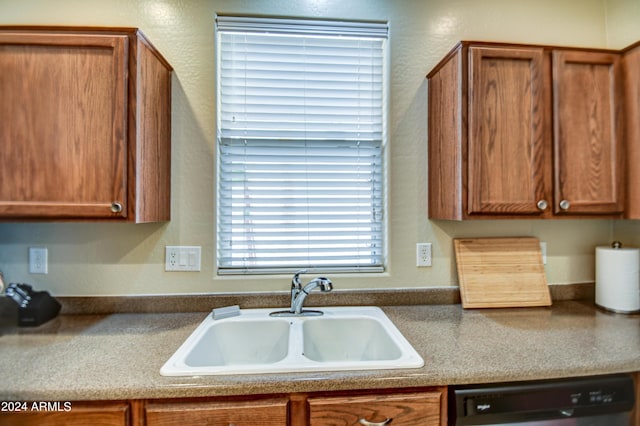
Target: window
(301,129)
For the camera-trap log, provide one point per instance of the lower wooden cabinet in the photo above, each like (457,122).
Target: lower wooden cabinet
(65,413)
(371,408)
(399,407)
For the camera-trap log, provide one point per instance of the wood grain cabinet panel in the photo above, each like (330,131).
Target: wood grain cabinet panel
(445,139)
(68,414)
(588,132)
(261,412)
(526,131)
(402,409)
(86,121)
(506,145)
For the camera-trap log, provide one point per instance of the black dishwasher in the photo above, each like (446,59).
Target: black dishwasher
(586,401)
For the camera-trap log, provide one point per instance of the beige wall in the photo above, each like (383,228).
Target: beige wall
(623,22)
(100,259)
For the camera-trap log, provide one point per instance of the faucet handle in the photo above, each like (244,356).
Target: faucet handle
(295,281)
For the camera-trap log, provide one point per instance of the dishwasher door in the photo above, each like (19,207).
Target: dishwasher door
(586,401)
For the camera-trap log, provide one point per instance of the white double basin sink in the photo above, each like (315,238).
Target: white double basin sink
(343,338)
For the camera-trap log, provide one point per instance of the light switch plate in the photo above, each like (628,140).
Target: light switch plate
(182,258)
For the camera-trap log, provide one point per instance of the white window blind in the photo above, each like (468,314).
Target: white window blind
(300,139)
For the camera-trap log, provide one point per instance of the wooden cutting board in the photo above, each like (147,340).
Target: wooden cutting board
(501,272)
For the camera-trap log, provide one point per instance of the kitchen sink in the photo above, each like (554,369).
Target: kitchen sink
(343,338)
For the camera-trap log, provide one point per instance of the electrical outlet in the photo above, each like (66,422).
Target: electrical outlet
(543,249)
(182,258)
(38,260)
(423,254)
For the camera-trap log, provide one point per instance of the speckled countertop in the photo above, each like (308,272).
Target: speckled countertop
(118,356)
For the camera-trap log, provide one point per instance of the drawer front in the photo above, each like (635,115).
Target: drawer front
(68,414)
(408,409)
(267,412)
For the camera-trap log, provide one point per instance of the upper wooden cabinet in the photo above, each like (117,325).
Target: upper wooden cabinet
(86,125)
(525,131)
(631,59)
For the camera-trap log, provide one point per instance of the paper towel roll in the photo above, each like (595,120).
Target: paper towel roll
(618,279)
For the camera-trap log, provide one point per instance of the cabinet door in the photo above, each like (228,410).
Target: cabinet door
(64,125)
(588,133)
(66,414)
(267,412)
(508,140)
(411,409)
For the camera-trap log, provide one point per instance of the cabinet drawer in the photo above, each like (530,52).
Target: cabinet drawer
(401,409)
(69,414)
(265,412)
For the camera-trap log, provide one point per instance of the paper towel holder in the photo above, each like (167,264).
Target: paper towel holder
(617,279)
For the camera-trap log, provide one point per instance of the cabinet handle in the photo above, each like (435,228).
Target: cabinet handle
(116,207)
(565,204)
(368,423)
(542,205)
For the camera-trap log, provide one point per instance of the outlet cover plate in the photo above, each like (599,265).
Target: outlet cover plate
(183,258)
(423,254)
(38,260)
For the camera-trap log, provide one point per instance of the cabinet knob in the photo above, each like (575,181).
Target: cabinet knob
(542,205)
(565,204)
(116,207)
(368,423)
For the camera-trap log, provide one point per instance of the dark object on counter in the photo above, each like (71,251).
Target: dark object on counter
(34,307)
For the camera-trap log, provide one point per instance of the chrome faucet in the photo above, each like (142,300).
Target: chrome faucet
(300,293)
(325,285)
(296,286)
